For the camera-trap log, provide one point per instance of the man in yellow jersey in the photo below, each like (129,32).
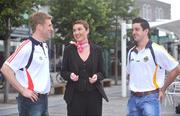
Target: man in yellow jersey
(147,62)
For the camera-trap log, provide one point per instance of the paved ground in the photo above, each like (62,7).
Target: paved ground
(57,106)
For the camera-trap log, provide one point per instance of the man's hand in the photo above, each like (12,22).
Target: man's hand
(30,94)
(161,95)
(74,77)
(93,79)
(9,74)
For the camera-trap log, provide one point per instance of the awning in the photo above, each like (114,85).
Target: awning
(172,26)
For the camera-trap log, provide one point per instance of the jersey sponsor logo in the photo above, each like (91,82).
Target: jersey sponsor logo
(40,58)
(146,58)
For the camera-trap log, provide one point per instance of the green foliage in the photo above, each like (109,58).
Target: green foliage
(121,10)
(95,12)
(12,13)
(100,14)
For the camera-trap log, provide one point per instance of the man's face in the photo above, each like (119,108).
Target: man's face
(79,32)
(47,29)
(138,32)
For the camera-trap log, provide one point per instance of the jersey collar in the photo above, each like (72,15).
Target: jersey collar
(35,41)
(148,44)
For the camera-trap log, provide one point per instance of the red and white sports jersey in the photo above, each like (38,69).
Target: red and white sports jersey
(37,76)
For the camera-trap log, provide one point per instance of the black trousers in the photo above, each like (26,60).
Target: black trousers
(87,103)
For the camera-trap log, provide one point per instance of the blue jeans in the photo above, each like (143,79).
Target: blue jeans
(28,108)
(144,106)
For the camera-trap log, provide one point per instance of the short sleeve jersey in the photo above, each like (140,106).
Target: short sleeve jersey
(37,76)
(144,74)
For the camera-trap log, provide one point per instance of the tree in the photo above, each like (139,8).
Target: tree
(121,10)
(102,15)
(65,12)
(12,14)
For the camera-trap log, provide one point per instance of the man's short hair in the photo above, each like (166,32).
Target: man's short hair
(38,18)
(144,23)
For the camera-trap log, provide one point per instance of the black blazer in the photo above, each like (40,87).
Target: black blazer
(69,65)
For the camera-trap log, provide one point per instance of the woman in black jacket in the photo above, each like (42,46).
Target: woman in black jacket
(82,68)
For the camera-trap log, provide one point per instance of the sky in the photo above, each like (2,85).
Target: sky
(175,8)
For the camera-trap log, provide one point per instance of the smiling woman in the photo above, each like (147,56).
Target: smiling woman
(82,68)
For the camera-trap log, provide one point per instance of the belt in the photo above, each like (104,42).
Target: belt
(139,94)
(42,95)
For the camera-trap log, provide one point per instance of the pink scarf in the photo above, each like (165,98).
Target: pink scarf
(80,45)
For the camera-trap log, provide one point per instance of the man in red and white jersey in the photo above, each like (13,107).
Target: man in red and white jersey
(27,69)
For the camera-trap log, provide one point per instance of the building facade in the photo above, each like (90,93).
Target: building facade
(153,10)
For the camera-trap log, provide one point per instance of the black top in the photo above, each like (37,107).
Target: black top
(85,71)
(72,62)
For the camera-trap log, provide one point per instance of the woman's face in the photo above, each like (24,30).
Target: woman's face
(80,33)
